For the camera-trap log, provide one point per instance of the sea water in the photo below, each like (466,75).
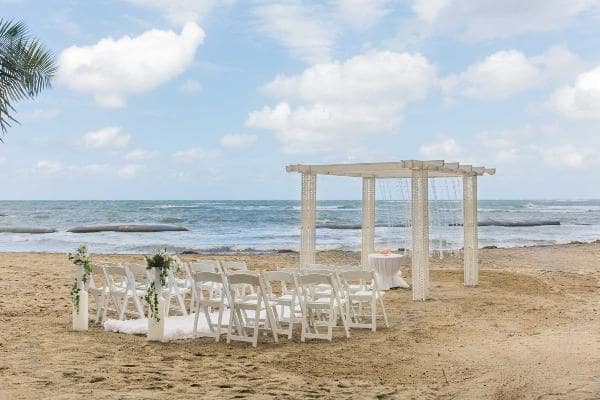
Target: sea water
(261,226)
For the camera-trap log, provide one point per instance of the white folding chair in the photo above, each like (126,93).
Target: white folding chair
(200,266)
(122,288)
(360,288)
(208,302)
(177,289)
(248,312)
(231,266)
(287,302)
(236,266)
(140,278)
(321,305)
(99,292)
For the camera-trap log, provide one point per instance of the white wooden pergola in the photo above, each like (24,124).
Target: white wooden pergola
(419,172)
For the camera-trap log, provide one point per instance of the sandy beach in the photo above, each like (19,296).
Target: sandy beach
(530,330)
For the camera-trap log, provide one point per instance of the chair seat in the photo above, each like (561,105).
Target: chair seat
(366,294)
(99,290)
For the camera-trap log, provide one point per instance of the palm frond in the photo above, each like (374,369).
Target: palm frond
(26,68)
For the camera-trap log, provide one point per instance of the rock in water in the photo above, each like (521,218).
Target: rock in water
(128,228)
(11,229)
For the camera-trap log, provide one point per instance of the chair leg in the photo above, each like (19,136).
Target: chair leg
(195,332)
(385,318)
(373,316)
(272,321)
(181,304)
(304,326)
(123,307)
(256,322)
(208,319)
(219,324)
(341,310)
(230,326)
(99,308)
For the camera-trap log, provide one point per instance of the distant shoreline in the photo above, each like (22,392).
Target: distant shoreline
(284,252)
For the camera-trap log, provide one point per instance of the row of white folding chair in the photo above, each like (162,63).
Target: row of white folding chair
(312,298)
(211,266)
(250,311)
(128,282)
(357,289)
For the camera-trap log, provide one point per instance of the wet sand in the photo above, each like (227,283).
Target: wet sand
(530,330)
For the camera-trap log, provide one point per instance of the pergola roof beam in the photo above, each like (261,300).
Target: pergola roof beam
(398,169)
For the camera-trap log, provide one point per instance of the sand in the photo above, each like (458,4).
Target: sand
(530,330)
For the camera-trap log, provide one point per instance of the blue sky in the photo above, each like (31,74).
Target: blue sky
(206,99)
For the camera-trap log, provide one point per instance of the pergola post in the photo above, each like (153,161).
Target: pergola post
(368,220)
(471,266)
(420,234)
(308,217)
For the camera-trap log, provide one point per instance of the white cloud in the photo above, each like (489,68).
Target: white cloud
(428,10)
(129,171)
(483,20)
(568,156)
(140,155)
(558,64)
(192,154)
(304,30)
(96,168)
(238,141)
(342,102)
(582,99)
(445,149)
(181,11)
(111,137)
(507,72)
(112,69)
(190,86)
(501,147)
(362,14)
(46,167)
(498,76)
(38,114)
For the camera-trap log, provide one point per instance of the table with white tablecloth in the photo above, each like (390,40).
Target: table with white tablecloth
(387,268)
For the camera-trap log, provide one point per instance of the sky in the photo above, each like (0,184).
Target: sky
(207,99)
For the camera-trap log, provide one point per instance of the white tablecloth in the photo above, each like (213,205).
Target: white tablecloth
(387,268)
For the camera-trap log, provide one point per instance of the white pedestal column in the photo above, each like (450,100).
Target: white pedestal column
(308,217)
(471,238)
(80,317)
(420,234)
(156,328)
(368,220)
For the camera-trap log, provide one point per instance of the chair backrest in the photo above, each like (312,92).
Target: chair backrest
(285,279)
(229,266)
(97,277)
(212,277)
(116,276)
(315,279)
(243,278)
(364,278)
(319,271)
(362,275)
(139,271)
(204,266)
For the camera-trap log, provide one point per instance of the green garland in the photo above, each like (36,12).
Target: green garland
(80,258)
(163,262)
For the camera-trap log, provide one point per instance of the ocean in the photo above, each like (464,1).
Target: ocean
(262,226)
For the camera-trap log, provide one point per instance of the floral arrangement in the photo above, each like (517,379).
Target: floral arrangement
(80,258)
(164,262)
